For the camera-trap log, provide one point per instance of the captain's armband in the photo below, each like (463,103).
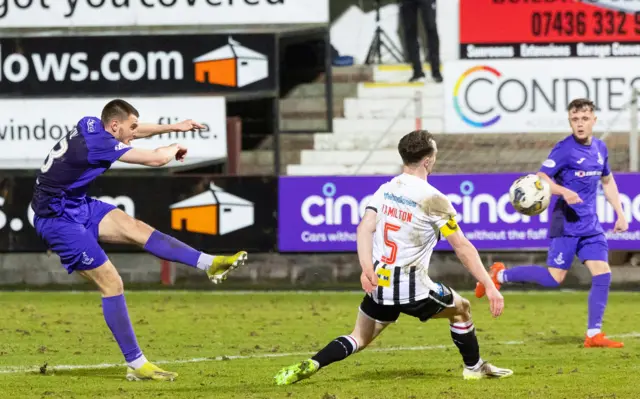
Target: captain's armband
(450,227)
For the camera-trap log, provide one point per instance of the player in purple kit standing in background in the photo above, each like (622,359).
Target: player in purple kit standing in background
(72,224)
(574,168)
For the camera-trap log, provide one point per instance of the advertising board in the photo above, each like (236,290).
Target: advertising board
(136,64)
(321,214)
(219,215)
(102,13)
(549,29)
(30,128)
(527,96)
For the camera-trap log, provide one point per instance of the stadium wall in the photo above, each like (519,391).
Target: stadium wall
(271,270)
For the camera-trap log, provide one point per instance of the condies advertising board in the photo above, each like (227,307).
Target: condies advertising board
(529,96)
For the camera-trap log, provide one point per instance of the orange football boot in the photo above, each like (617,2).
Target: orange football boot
(600,341)
(493,272)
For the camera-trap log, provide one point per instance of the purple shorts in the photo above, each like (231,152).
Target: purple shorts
(73,236)
(563,249)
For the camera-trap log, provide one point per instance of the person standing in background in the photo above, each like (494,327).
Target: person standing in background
(409,12)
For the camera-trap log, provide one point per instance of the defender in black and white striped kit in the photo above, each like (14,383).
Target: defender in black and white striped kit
(402,224)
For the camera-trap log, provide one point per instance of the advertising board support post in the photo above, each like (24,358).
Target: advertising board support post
(328,79)
(275,109)
(633,132)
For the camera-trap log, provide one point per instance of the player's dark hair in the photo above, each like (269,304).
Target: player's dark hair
(415,146)
(579,104)
(117,109)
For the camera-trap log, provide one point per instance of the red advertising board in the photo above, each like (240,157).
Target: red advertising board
(549,28)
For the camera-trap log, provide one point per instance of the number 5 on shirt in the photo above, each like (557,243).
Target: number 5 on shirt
(391,259)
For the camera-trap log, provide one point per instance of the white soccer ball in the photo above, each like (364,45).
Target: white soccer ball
(530,195)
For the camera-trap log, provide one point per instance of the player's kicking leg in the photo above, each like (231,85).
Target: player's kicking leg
(120,228)
(116,315)
(463,334)
(364,332)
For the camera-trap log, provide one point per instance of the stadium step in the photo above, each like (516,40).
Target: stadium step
(374,126)
(342,170)
(304,125)
(260,162)
(315,157)
(309,90)
(379,108)
(309,108)
(399,90)
(395,73)
(297,141)
(355,142)
(350,74)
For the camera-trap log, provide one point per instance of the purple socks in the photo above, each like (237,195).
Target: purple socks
(530,274)
(598,296)
(168,248)
(117,317)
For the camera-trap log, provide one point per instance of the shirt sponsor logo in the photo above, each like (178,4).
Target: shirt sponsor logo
(582,173)
(399,199)
(121,146)
(549,163)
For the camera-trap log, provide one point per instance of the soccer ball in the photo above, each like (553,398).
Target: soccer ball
(530,195)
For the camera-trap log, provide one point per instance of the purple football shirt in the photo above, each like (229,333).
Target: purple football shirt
(579,168)
(72,165)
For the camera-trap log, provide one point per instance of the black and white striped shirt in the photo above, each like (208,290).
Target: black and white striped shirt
(412,216)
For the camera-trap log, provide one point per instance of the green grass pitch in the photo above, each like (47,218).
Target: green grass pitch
(231,344)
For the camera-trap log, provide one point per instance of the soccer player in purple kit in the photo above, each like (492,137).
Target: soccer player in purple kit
(574,168)
(72,224)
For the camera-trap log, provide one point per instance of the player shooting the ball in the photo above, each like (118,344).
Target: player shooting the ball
(401,225)
(72,224)
(574,168)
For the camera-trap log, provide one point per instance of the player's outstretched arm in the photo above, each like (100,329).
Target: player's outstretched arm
(364,238)
(556,189)
(570,196)
(611,193)
(155,158)
(468,255)
(152,129)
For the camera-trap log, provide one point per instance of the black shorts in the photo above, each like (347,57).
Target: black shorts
(423,309)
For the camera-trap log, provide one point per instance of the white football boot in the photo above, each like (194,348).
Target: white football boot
(486,370)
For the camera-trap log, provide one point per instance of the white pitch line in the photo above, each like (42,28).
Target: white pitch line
(627,335)
(15,370)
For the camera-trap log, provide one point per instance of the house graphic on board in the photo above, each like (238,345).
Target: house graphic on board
(232,65)
(214,212)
